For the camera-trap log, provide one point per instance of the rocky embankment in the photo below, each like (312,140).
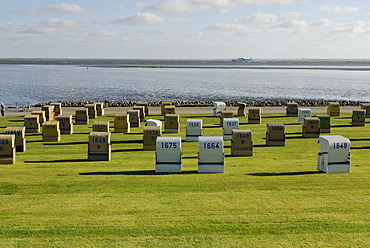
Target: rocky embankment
(258,103)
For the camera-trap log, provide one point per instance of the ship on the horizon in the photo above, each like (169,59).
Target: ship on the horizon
(243,60)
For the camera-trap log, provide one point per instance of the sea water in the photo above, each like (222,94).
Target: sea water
(33,84)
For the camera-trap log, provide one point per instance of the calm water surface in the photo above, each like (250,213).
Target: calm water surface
(39,83)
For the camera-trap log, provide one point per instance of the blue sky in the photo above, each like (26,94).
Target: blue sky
(185,29)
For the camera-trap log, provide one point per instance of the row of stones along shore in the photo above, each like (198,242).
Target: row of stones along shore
(257,103)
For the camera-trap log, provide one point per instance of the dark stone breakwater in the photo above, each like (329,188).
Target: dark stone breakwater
(256,103)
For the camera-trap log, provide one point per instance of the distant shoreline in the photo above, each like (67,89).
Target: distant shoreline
(295,64)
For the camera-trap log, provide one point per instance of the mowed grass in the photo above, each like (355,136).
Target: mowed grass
(54,197)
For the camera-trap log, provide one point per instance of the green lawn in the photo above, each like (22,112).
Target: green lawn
(54,197)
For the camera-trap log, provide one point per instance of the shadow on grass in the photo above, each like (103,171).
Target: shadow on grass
(130,133)
(33,134)
(260,145)
(367,139)
(200,116)
(294,133)
(343,118)
(34,141)
(131,173)
(296,173)
(295,137)
(361,148)
(275,116)
(128,150)
(82,133)
(334,126)
(292,124)
(16,120)
(63,144)
(128,142)
(190,157)
(218,126)
(58,161)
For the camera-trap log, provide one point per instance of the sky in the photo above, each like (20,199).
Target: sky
(185,29)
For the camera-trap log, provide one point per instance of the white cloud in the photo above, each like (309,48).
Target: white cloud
(293,24)
(192,5)
(104,33)
(228,26)
(338,9)
(121,6)
(139,18)
(8,26)
(56,26)
(213,3)
(62,8)
(269,18)
(59,23)
(195,35)
(168,6)
(321,23)
(351,29)
(39,30)
(65,8)
(265,2)
(31,11)
(224,11)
